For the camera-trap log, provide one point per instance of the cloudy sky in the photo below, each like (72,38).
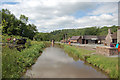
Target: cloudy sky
(49,15)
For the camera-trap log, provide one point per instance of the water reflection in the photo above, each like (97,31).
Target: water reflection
(75,57)
(55,63)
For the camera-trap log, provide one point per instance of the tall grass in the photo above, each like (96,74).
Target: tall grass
(81,53)
(107,64)
(15,63)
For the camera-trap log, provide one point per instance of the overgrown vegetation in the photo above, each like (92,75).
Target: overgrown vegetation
(14,26)
(107,64)
(15,63)
(6,36)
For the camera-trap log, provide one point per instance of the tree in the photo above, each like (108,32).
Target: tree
(12,25)
(4,25)
(24,19)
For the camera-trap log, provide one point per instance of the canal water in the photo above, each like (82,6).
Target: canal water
(55,63)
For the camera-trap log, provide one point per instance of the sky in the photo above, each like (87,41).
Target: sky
(50,15)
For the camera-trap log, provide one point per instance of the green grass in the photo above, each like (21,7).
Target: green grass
(81,53)
(15,63)
(107,64)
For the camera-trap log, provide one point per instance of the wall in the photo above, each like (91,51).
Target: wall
(74,41)
(108,51)
(118,35)
(80,41)
(102,41)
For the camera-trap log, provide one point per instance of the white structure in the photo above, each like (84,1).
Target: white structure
(108,38)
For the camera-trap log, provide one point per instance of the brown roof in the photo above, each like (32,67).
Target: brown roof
(114,35)
(89,37)
(75,37)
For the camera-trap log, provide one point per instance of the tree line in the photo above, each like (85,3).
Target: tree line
(58,35)
(13,26)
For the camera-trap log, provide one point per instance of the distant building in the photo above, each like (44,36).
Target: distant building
(114,37)
(75,39)
(88,39)
(111,37)
(93,39)
(101,39)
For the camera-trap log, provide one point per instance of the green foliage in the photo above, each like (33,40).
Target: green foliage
(42,37)
(27,44)
(107,64)
(102,31)
(6,36)
(13,26)
(24,19)
(81,53)
(15,63)
(4,24)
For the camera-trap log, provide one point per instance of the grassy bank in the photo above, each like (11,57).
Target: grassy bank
(15,63)
(107,64)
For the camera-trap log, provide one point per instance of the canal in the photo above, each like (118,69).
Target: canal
(55,63)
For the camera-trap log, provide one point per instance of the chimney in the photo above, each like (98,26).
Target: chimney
(118,34)
(109,31)
(108,38)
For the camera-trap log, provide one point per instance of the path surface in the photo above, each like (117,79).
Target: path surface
(55,63)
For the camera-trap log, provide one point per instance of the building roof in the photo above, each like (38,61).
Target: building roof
(101,37)
(90,37)
(75,37)
(114,35)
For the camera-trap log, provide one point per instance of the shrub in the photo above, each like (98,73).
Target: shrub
(15,63)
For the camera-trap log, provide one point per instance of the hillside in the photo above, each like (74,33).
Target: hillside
(59,34)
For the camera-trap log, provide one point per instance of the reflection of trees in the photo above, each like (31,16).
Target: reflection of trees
(94,67)
(75,57)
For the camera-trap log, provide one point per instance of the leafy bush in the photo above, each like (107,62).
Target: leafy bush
(6,36)
(27,44)
(15,63)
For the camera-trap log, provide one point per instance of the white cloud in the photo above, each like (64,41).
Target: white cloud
(50,15)
(105,8)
